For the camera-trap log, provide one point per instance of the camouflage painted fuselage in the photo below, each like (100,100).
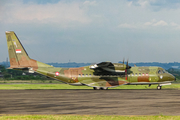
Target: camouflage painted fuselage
(105,74)
(87,76)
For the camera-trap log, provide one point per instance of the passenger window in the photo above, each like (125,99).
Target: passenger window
(83,75)
(146,74)
(132,74)
(139,74)
(86,74)
(136,74)
(89,74)
(79,75)
(143,74)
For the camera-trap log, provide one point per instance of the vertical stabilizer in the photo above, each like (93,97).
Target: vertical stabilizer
(17,55)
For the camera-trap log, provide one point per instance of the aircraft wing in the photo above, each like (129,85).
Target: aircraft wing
(103,67)
(106,67)
(103,81)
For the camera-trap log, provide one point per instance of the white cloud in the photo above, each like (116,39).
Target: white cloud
(129,4)
(157,5)
(143,3)
(175,25)
(148,23)
(160,23)
(62,13)
(154,23)
(92,3)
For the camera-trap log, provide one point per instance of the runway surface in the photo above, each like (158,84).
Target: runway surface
(85,102)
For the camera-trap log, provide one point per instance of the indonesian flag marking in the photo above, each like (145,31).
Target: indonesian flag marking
(18,50)
(57,73)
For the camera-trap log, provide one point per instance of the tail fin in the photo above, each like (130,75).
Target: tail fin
(17,54)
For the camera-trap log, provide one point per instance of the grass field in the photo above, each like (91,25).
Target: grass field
(66,86)
(86,117)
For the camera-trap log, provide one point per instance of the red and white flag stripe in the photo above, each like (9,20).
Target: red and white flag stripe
(18,50)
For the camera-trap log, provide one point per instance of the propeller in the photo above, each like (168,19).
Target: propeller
(127,66)
(123,60)
(126,70)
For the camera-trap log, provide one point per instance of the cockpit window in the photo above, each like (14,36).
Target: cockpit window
(161,71)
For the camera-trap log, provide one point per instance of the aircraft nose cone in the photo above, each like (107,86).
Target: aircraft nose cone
(173,78)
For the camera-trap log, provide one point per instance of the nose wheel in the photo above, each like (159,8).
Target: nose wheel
(159,87)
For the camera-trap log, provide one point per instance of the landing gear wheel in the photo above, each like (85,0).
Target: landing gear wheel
(103,88)
(159,87)
(96,88)
(100,88)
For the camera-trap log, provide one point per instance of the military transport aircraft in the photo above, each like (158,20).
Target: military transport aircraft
(98,76)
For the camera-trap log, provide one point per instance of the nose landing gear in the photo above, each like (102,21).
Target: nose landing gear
(159,87)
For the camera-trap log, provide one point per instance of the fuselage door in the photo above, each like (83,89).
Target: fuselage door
(74,74)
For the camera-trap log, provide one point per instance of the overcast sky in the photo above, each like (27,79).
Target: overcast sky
(93,31)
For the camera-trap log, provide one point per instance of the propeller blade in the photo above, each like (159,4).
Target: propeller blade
(127,66)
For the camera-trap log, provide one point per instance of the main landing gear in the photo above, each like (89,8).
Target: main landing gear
(100,88)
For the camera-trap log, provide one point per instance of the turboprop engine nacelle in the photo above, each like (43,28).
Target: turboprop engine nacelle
(108,66)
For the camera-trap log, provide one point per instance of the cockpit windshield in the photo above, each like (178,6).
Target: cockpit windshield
(162,71)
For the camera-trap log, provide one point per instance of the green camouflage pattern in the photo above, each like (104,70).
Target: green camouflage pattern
(102,75)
